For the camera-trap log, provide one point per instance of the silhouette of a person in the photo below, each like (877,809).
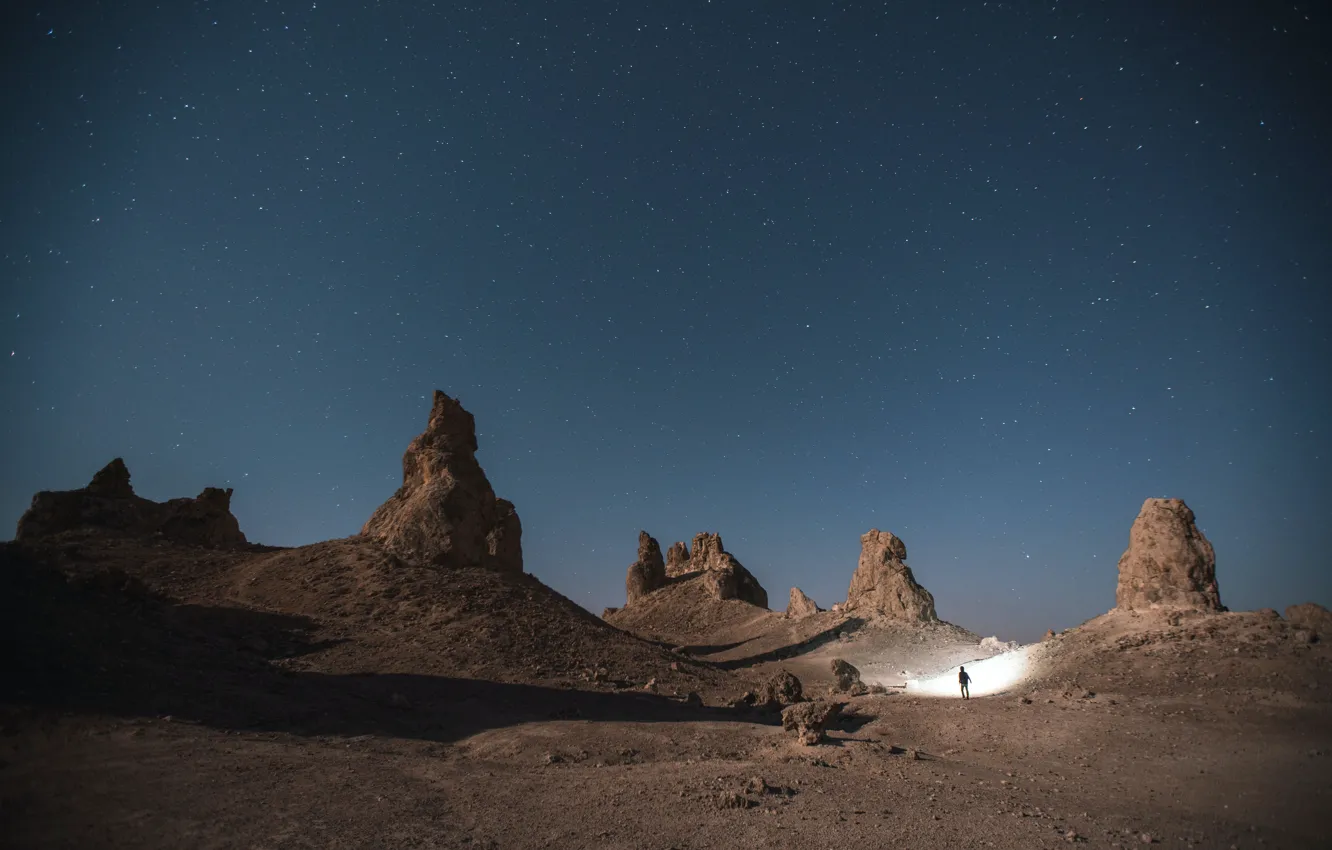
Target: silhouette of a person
(964,679)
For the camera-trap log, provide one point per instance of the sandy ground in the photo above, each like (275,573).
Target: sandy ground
(142,715)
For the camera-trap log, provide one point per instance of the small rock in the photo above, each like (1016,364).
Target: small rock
(732,800)
(651,685)
(1146,838)
(693,700)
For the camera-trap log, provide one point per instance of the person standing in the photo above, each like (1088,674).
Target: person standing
(964,679)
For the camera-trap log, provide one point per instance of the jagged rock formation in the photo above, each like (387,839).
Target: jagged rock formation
(1311,616)
(1168,563)
(800,605)
(721,574)
(445,512)
(677,559)
(883,584)
(647,573)
(109,504)
(724,576)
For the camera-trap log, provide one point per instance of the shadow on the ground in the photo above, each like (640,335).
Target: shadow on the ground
(106,644)
(781,653)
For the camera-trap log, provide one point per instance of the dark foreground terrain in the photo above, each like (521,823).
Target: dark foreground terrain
(166,696)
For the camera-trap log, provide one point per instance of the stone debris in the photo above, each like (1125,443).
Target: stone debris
(808,720)
(847,678)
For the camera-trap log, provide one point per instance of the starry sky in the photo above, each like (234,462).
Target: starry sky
(986,275)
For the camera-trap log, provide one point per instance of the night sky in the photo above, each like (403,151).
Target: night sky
(986,275)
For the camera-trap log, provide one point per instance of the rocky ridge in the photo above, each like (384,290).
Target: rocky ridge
(109,505)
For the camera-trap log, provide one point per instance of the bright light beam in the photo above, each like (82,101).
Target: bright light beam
(988,676)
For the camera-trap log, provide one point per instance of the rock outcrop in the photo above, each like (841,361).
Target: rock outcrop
(445,512)
(677,559)
(1311,616)
(725,577)
(1168,563)
(883,584)
(109,504)
(647,573)
(800,605)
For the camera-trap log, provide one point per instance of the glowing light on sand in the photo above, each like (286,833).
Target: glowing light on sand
(988,676)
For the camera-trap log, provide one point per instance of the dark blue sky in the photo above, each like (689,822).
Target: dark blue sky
(984,275)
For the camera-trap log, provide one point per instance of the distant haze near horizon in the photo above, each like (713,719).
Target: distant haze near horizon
(985,277)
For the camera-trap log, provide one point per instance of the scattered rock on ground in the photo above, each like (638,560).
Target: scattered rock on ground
(808,720)
(847,678)
(782,689)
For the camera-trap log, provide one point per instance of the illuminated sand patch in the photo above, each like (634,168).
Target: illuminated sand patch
(988,676)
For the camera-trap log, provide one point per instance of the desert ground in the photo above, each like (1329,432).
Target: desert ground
(170,684)
(160,696)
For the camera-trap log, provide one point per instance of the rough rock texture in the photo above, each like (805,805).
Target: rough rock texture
(677,559)
(109,504)
(724,576)
(1313,617)
(1050,634)
(1168,563)
(782,689)
(808,720)
(445,512)
(800,605)
(883,584)
(847,678)
(647,573)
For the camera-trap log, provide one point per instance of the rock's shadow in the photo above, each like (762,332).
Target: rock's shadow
(106,644)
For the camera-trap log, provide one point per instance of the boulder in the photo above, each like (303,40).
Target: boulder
(800,605)
(884,586)
(847,678)
(781,689)
(445,513)
(1311,616)
(647,573)
(993,644)
(109,505)
(1168,563)
(677,559)
(808,720)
